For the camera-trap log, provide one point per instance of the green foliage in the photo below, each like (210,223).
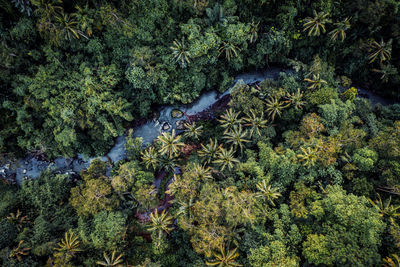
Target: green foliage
(346,230)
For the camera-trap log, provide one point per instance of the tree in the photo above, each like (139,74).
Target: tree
(224,258)
(255,122)
(112,261)
(225,158)
(160,222)
(308,156)
(340,30)
(274,107)
(237,137)
(229,119)
(170,144)
(95,194)
(316,25)
(380,50)
(150,158)
(180,52)
(315,82)
(69,244)
(19,251)
(209,152)
(346,231)
(268,192)
(192,130)
(17,219)
(385,209)
(230,50)
(295,99)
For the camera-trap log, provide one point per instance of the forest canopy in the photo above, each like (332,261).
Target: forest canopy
(300,170)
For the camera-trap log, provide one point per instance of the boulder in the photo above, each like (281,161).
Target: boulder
(166,126)
(176,113)
(180,125)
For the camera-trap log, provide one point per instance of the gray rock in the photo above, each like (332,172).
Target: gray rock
(180,125)
(166,126)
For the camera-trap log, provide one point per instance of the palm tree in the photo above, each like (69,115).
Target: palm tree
(224,258)
(17,219)
(274,107)
(225,158)
(180,52)
(150,157)
(160,222)
(112,261)
(255,122)
(267,192)
(295,99)
(237,137)
(69,244)
(308,156)
(201,171)
(19,251)
(254,31)
(192,130)
(230,50)
(229,119)
(169,164)
(315,82)
(389,262)
(340,30)
(67,26)
(170,143)
(315,25)
(209,151)
(380,50)
(385,210)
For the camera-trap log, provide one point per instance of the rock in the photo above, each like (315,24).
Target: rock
(24,171)
(156,116)
(180,125)
(176,113)
(166,126)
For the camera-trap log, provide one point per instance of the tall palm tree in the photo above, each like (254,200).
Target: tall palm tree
(254,31)
(237,137)
(180,52)
(68,26)
(192,130)
(385,209)
(18,219)
(70,243)
(308,156)
(169,164)
(224,258)
(170,143)
(160,222)
(340,30)
(315,82)
(255,122)
(391,262)
(316,25)
(381,50)
(209,151)
(229,119)
(274,107)
(225,158)
(267,192)
(113,261)
(201,172)
(295,99)
(19,251)
(150,157)
(230,50)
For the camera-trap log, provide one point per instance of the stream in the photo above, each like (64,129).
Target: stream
(30,167)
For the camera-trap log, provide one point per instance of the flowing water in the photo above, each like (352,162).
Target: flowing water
(30,167)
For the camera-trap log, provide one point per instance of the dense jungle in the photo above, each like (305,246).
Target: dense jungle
(302,169)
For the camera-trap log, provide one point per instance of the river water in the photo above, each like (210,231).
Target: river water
(30,167)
